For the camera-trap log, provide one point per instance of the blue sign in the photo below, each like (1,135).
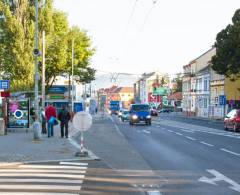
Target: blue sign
(222,100)
(57,90)
(78,107)
(4,84)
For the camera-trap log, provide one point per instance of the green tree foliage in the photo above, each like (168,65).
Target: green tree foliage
(82,55)
(178,81)
(227,58)
(17,44)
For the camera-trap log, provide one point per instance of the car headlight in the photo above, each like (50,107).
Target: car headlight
(134,117)
(110,112)
(148,116)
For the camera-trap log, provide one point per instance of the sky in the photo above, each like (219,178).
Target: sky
(137,36)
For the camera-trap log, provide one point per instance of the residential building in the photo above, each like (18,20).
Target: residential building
(217,82)
(232,92)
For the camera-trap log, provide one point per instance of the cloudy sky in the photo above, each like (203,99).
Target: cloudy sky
(136,36)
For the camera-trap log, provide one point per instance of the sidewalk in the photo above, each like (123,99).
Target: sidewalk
(19,146)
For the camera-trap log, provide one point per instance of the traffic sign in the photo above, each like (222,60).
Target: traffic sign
(82,121)
(4,84)
(222,100)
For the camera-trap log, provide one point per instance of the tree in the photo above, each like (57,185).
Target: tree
(178,81)
(227,59)
(16,45)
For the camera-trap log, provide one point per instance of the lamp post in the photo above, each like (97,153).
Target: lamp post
(72,71)
(36,124)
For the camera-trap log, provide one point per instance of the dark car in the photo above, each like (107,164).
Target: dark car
(140,113)
(232,120)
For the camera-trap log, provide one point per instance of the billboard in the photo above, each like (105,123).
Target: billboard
(154,98)
(18,113)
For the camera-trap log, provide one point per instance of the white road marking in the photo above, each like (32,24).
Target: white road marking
(170,131)
(39,180)
(146,131)
(40,187)
(207,144)
(118,130)
(50,167)
(36,193)
(191,138)
(73,163)
(219,177)
(39,171)
(43,175)
(154,193)
(228,151)
(178,133)
(186,130)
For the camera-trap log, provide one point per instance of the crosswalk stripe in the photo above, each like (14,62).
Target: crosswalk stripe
(36,193)
(42,175)
(40,187)
(39,180)
(50,167)
(39,171)
(73,163)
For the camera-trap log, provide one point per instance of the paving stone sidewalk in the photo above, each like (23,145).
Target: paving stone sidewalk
(19,146)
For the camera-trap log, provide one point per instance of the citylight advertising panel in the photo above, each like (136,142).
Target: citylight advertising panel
(18,113)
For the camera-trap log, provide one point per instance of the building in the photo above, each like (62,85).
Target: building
(232,92)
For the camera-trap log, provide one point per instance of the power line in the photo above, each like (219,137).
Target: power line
(154,2)
(131,15)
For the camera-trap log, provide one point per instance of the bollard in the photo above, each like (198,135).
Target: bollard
(2,132)
(36,130)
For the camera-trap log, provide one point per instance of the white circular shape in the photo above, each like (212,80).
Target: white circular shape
(18,114)
(82,121)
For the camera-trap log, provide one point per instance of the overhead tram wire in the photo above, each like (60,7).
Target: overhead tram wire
(131,15)
(154,2)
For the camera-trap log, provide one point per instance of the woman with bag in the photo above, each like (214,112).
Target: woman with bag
(50,113)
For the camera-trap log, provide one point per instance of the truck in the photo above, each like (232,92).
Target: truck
(114,106)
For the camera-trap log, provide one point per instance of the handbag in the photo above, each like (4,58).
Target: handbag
(53,121)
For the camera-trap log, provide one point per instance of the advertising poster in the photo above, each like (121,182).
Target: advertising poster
(18,113)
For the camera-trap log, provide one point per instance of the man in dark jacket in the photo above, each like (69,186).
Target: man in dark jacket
(64,117)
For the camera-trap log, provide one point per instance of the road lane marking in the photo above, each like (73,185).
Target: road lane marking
(73,163)
(219,177)
(37,193)
(146,131)
(154,193)
(170,131)
(207,144)
(228,151)
(42,175)
(186,130)
(39,171)
(40,187)
(178,133)
(51,167)
(191,138)
(40,180)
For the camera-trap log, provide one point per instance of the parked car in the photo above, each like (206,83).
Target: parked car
(140,113)
(165,110)
(232,120)
(125,115)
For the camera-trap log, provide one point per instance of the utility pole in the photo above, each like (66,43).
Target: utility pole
(36,124)
(72,70)
(43,69)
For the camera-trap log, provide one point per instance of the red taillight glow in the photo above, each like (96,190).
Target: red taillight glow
(237,119)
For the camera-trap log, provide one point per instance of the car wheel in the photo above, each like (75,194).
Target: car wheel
(234,128)
(130,123)
(122,120)
(225,126)
(149,123)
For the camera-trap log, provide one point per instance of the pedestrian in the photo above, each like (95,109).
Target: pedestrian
(44,121)
(64,117)
(50,114)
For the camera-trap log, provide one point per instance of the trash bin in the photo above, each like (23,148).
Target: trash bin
(2,131)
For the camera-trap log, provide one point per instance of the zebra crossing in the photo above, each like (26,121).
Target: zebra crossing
(65,178)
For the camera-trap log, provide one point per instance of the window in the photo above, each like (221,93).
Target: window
(205,102)
(205,85)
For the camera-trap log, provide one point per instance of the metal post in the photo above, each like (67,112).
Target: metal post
(36,124)
(36,62)
(81,144)
(72,71)
(43,69)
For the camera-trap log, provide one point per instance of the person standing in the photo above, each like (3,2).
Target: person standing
(44,120)
(64,117)
(50,114)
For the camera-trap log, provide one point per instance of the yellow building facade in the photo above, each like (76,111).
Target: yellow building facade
(232,92)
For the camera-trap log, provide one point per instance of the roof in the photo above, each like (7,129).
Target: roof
(123,90)
(175,96)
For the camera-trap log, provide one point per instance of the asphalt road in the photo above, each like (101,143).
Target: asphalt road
(190,158)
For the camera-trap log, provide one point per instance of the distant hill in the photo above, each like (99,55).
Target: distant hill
(104,81)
